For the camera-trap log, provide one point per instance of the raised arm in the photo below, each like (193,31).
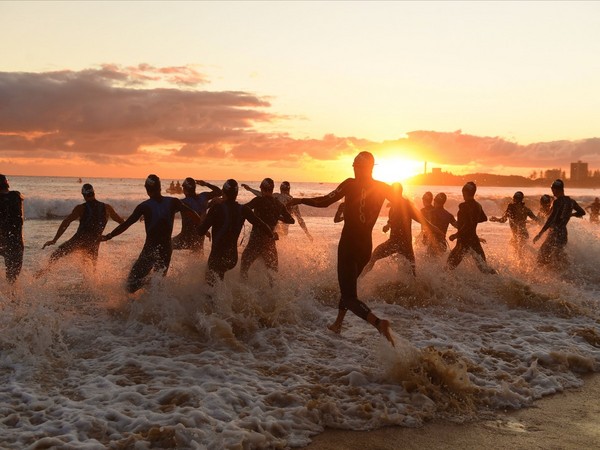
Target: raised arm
(75,214)
(215,190)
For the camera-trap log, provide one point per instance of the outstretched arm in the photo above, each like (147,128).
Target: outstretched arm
(113,214)
(75,214)
(133,218)
(254,191)
(324,201)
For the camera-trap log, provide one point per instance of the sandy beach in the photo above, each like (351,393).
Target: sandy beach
(567,420)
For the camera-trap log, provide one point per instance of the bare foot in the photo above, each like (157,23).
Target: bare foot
(335,327)
(384,328)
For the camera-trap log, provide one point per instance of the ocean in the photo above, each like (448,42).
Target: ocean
(83,364)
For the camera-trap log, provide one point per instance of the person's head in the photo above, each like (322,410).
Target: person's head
(469,189)
(87,190)
(4,182)
(597,200)
(267,185)
(230,189)
(152,185)
(440,199)
(363,165)
(518,197)
(427,198)
(558,187)
(284,188)
(189,186)
(397,189)
(545,200)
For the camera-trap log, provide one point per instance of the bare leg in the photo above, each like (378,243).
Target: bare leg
(336,326)
(383,326)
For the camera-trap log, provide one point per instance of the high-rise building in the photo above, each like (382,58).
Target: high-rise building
(579,171)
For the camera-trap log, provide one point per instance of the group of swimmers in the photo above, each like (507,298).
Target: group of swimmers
(217,214)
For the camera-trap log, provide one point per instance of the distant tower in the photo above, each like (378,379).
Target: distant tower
(425,168)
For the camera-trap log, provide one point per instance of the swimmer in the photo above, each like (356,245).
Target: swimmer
(11,230)
(517,213)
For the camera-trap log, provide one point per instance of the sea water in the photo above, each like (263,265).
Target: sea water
(83,364)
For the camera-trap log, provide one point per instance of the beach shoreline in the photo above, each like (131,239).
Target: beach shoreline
(565,420)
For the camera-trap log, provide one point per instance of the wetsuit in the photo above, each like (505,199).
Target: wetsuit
(159,215)
(441,219)
(402,213)
(284,198)
(470,213)
(425,212)
(226,220)
(363,201)
(594,210)
(261,244)
(552,250)
(190,238)
(88,234)
(517,214)
(11,233)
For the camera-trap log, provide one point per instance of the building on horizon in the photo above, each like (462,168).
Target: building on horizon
(579,171)
(553,174)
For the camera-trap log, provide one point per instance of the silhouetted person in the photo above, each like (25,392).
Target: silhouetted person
(594,210)
(92,216)
(226,219)
(441,219)
(517,213)
(190,238)
(545,206)
(363,197)
(159,214)
(262,245)
(11,229)
(427,200)
(470,214)
(563,208)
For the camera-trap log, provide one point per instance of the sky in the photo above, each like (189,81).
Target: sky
(293,90)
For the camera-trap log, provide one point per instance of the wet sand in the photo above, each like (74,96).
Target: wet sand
(567,420)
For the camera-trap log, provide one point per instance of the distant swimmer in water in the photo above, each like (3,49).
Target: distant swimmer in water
(189,238)
(594,210)
(92,216)
(11,229)
(470,214)
(545,206)
(563,208)
(159,214)
(441,219)
(339,214)
(517,213)
(226,219)
(402,213)
(363,197)
(262,245)
(284,197)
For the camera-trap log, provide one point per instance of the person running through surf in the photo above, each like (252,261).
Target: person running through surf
(517,213)
(11,230)
(440,218)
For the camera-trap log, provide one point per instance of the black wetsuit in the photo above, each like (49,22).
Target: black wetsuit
(402,213)
(156,253)
(226,220)
(552,250)
(11,233)
(261,244)
(363,201)
(517,214)
(425,212)
(190,238)
(470,213)
(88,234)
(594,210)
(441,219)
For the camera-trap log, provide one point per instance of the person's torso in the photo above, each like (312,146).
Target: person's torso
(266,208)
(11,214)
(93,220)
(470,213)
(441,219)
(400,220)
(362,203)
(158,219)
(199,204)
(563,208)
(227,225)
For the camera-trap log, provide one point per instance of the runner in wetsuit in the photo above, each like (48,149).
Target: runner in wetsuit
(364,197)
(189,238)
(563,208)
(594,210)
(517,213)
(93,216)
(441,219)
(402,213)
(470,213)
(159,215)
(226,219)
(11,230)
(261,245)
(427,200)
(284,197)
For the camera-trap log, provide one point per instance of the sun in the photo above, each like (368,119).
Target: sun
(393,169)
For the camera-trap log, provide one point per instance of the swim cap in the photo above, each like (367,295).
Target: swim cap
(3,182)
(364,159)
(230,188)
(267,185)
(87,189)
(440,198)
(152,182)
(470,187)
(427,196)
(558,184)
(545,199)
(285,186)
(519,196)
(189,183)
